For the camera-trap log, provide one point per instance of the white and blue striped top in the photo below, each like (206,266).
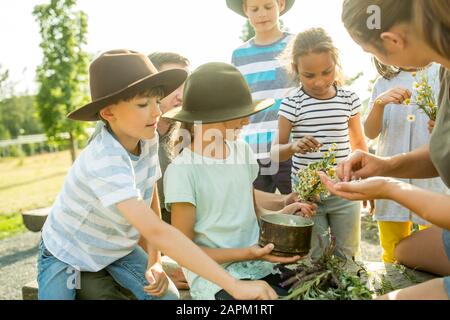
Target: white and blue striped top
(85,228)
(267,78)
(325,120)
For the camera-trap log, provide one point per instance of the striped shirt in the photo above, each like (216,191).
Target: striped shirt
(325,120)
(266,78)
(85,228)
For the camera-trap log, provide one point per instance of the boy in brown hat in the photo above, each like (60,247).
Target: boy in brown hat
(103,208)
(258,61)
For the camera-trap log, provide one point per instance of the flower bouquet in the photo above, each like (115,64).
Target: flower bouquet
(425,97)
(309,186)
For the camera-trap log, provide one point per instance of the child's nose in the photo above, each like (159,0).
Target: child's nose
(156,111)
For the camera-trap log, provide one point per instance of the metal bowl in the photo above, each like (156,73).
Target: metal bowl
(291,235)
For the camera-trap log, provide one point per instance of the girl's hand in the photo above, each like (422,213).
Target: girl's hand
(369,189)
(431,126)
(300,208)
(253,290)
(258,253)
(290,198)
(372,206)
(157,279)
(396,95)
(305,145)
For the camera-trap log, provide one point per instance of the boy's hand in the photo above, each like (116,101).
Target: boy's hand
(157,279)
(253,290)
(300,208)
(305,145)
(258,253)
(178,278)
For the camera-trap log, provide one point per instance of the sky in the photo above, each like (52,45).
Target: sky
(202,30)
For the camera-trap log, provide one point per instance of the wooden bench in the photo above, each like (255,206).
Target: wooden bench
(30,290)
(34,219)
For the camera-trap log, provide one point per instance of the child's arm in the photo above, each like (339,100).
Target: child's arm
(186,253)
(273,201)
(183,218)
(300,208)
(282,150)
(374,121)
(357,140)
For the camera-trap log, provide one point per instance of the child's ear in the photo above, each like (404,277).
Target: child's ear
(107,114)
(392,42)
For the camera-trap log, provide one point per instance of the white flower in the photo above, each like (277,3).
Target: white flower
(411,118)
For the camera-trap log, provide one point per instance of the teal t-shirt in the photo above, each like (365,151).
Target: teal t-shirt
(222,193)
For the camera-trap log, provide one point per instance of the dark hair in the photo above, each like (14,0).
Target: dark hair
(386,71)
(356,14)
(161,58)
(314,40)
(131,94)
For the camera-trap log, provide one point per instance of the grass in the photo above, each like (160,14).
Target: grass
(29,183)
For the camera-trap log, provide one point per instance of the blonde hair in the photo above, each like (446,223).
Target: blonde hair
(314,40)
(432,20)
(356,15)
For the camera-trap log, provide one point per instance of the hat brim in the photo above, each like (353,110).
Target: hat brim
(236,6)
(215,116)
(169,80)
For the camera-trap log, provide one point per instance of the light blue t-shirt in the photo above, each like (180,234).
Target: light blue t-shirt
(84,228)
(225,217)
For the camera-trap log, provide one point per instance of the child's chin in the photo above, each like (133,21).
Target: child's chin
(149,135)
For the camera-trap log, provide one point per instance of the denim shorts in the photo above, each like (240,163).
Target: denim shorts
(446,239)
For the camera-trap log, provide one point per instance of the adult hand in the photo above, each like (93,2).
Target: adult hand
(361,164)
(157,279)
(369,189)
(258,253)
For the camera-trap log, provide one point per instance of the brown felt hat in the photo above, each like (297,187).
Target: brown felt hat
(216,92)
(118,73)
(236,6)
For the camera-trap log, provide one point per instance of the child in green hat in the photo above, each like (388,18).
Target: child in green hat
(209,187)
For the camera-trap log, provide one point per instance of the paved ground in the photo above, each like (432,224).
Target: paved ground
(17,264)
(18,259)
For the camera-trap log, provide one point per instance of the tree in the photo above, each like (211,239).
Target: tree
(62,77)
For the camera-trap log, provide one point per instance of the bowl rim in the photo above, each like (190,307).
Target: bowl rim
(263,218)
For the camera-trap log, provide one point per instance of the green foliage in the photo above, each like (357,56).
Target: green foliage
(247,32)
(18,117)
(62,76)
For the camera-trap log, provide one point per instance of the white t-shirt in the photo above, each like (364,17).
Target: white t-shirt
(84,228)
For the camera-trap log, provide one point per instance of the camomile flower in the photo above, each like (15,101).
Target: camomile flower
(411,118)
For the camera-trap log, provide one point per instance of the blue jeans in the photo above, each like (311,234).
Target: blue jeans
(59,281)
(446,239)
